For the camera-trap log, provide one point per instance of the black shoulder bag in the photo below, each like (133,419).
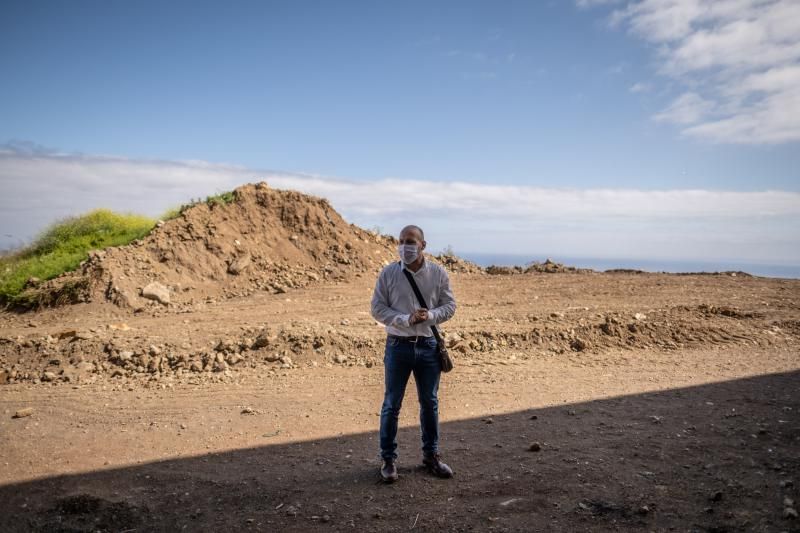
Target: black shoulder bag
(444,358)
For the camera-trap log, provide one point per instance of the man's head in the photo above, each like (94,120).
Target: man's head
(411,236)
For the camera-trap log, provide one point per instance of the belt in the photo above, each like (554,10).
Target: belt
(413,339)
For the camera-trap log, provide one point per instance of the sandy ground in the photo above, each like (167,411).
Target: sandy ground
(687,422)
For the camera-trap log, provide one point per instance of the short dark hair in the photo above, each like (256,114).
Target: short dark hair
(413,227)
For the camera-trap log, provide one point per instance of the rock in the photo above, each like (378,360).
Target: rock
(345,322)
(279,289)
(716,497)
(154,350)
(788,502)
(49,376)
(272,357)
(640,316)
(22,413)
(451,339)
(248,411)
(239,265)
(286,360)
(156,291)
(340,359)
(790,513)
(579,345)
(262,341)
(125,356)
(122,326)
(643,510)
(535,447)
(85,367)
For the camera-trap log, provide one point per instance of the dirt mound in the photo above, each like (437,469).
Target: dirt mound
(264,239)
(453,263)
(548,267)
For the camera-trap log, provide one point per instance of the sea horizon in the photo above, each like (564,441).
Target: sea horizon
(647,265)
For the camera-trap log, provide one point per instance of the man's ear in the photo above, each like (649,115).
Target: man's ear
(424,244)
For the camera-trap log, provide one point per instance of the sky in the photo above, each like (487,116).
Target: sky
(666,129)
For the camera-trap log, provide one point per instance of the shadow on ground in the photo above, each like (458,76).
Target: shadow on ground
(718,457)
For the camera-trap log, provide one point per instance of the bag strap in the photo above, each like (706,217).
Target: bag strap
(420,298)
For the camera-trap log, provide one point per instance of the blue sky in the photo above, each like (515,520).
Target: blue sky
(652,95)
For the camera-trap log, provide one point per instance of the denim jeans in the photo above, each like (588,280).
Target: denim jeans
(400,360)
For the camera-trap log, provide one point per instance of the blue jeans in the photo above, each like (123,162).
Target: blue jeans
(400,360)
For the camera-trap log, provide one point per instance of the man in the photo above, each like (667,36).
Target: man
(411,347)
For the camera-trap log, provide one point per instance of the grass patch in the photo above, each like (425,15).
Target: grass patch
(62,247)
(216,199)
(221,198)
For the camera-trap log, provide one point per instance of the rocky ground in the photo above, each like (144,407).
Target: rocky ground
(580,402)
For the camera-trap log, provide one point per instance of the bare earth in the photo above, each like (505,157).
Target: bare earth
(579,402)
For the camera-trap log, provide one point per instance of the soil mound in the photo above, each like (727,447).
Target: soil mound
(263,239)
(548,267)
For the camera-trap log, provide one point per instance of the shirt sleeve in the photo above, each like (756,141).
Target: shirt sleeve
(380,308)
(447,302)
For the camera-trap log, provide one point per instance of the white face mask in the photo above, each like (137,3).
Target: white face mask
(408,253)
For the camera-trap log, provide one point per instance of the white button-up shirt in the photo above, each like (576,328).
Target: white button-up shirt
(393,301)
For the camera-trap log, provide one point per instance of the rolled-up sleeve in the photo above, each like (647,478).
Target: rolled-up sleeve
(447,302)
(380,308)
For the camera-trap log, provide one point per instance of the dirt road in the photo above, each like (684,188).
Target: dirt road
(580,402)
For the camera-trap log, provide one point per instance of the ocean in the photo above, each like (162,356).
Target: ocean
(648,265)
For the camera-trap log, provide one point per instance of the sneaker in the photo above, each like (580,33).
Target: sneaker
(436,467)
(389,471)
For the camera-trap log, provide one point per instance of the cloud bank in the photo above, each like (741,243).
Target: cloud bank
(39,186)
(737,62)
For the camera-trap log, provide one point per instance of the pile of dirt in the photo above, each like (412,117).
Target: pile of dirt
(453,263)
(548,267)
(265,239)
(139,356)
(551,267)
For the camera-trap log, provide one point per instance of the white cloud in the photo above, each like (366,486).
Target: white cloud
(742,55)
(688,108)
(639,87)
(37,187)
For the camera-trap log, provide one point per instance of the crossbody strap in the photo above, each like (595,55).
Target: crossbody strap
(420,299)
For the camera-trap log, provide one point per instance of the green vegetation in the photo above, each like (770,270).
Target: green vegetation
(221,198)
(216,199)
(62,247)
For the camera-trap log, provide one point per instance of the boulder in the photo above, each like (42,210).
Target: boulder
(239,265)
(156,291)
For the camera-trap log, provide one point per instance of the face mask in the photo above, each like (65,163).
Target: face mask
(408,253)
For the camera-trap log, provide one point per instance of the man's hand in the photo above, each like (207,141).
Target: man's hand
(420,315)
